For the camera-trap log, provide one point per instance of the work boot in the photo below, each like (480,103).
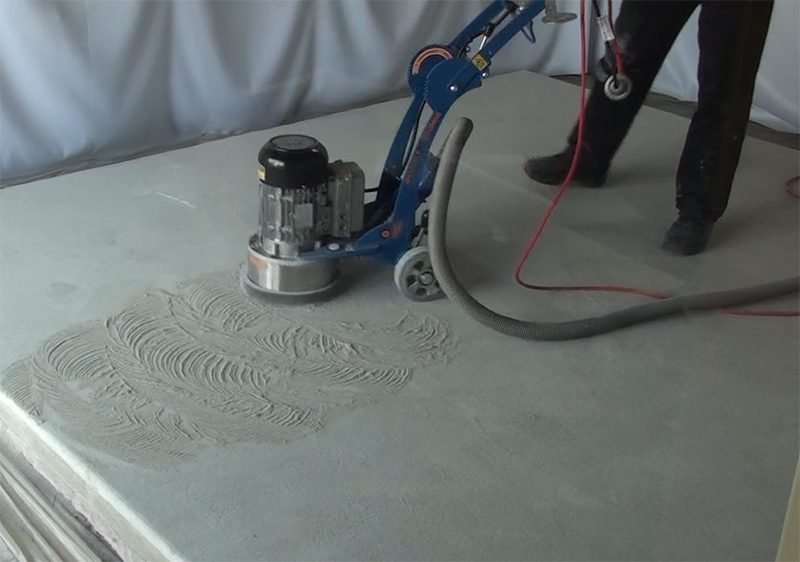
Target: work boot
(688,235)
(553,170)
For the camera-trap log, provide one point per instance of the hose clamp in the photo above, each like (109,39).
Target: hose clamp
(617,87)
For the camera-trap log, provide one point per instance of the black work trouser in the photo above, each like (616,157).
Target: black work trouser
(731,39)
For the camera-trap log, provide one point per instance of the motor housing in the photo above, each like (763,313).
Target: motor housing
(305,203)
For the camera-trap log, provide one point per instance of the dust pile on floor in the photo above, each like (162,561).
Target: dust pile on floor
(173,373)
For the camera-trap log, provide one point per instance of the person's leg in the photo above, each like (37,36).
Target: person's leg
(646,30)
(731,38)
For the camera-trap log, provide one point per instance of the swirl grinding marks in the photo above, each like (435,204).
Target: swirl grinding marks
(174,373)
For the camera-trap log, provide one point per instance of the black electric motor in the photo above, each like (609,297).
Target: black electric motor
(306,203)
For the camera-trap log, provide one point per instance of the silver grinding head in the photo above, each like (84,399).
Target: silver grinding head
(288,277)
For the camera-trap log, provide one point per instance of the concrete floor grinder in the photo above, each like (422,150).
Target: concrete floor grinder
(313,213)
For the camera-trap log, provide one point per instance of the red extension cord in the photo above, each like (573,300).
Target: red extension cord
(614,44)
(563,189)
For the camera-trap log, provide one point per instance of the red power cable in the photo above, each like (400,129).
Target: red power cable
(563,189)
(614,43)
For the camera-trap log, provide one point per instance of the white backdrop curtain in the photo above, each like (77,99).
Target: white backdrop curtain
(86,82)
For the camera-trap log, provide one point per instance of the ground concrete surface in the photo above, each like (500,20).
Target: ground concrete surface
(674,440)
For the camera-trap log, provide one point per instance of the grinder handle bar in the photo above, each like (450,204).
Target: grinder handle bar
(438,76)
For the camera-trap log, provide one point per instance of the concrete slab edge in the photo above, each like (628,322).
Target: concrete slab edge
(127,533)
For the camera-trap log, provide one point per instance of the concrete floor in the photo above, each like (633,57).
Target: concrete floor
(676,440)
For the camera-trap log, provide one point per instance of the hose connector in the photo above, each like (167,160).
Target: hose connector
(617,87)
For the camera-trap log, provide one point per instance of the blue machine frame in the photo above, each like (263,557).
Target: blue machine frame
(438,75)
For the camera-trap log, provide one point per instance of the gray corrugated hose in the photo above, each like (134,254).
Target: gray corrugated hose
(573,329)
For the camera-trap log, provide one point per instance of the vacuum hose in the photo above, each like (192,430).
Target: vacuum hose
(574,329)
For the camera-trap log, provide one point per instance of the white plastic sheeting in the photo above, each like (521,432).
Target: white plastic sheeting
(93,81)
